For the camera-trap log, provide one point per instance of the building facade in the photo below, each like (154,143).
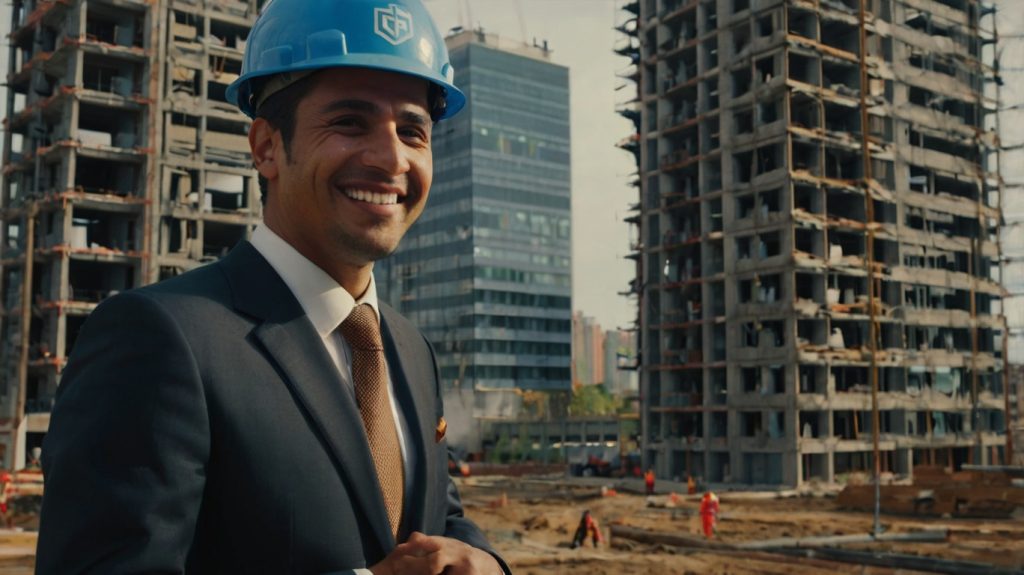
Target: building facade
(819,213)
(485,272)
(588,339)
(603,357)
(620,363)
(123,164)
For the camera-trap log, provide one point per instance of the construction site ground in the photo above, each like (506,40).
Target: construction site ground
(531,521)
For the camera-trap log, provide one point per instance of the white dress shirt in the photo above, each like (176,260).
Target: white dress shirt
(327,305)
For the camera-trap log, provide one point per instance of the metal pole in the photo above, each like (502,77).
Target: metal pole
(26,324)
(870,225)
(1008,450)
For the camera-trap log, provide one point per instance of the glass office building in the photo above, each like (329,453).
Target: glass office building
(485,273)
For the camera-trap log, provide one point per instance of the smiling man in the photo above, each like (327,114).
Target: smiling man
(266,414)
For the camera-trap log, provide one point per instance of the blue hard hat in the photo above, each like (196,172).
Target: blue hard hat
(306,35)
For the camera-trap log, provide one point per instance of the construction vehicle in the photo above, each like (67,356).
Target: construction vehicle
(616,465)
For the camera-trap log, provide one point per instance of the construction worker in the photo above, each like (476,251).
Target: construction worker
(6,489)
(268,413)
(33,460)
(709,513)
(587,526)
(691,485)
(649,481)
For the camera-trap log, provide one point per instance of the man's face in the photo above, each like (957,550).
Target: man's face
(359,168)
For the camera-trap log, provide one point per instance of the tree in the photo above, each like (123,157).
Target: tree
(592,400)
(535,404)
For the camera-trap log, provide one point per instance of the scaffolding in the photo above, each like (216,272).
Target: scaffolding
(818,254)
(123,164)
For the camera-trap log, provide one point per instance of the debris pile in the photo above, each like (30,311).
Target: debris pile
(983,492)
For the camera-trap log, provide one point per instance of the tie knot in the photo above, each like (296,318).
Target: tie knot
(361,329)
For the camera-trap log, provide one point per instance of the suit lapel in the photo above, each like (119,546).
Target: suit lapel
(415,390)
(290,340)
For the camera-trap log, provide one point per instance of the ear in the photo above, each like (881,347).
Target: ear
(264,141)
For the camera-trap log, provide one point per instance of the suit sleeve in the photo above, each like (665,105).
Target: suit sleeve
(127,446)
(458,526)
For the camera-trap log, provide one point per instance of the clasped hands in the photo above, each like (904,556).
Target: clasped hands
(432,555)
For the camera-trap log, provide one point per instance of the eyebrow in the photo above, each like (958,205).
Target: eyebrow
(367,107)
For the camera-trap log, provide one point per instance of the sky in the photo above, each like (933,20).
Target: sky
(1011,120)
(581,35)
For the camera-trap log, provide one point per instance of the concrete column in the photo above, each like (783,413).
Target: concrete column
(903,462)
(792,468)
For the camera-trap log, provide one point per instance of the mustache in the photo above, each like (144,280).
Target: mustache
(370,176)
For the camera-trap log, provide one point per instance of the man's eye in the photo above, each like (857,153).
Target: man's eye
(414,133)
(347,122)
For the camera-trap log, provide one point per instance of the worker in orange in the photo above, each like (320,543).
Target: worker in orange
(709,513)
(6,488)
(649,481)
(691,485)
(588,526)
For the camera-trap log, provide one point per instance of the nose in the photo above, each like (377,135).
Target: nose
(386,151)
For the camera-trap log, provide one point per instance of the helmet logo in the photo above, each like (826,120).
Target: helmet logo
(393,24)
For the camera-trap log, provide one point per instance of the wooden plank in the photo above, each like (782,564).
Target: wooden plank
(901,561)
(929,535)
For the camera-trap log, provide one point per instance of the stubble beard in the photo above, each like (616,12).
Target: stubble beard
(365,250)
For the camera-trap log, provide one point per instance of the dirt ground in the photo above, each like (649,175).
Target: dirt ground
(534,528)
(531,520)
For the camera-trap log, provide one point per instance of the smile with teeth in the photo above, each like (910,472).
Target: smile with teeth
(372,197)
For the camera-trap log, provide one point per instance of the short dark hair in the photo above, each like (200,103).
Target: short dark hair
(279,111)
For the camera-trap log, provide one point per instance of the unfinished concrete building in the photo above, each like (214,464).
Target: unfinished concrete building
(123,164)
(819,210)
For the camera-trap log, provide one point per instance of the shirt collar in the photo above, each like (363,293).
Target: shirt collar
(326,303)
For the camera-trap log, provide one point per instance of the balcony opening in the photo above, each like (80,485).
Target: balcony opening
(765,70)
(741,81)
(807,198)
(802,23)
(110,75)
(744,206)
(750,423)
(740,38)
(218,239)
(841,76)
(181,235)
(809,241)
(226,192)
(107,176)
(771,245)
(743,166)
(804,68)
(93,281)
(94,229)
(114,27)
(804,111)
(769,158)
(812,379)
(743,122)
(765,25)
(743,247)
(100,126)
(807,157)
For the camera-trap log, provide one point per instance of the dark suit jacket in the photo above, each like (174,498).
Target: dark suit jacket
(202,427)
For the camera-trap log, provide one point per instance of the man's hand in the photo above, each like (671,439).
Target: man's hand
(426,555)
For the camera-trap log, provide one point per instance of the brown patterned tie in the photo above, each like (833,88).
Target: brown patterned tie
(369,370)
